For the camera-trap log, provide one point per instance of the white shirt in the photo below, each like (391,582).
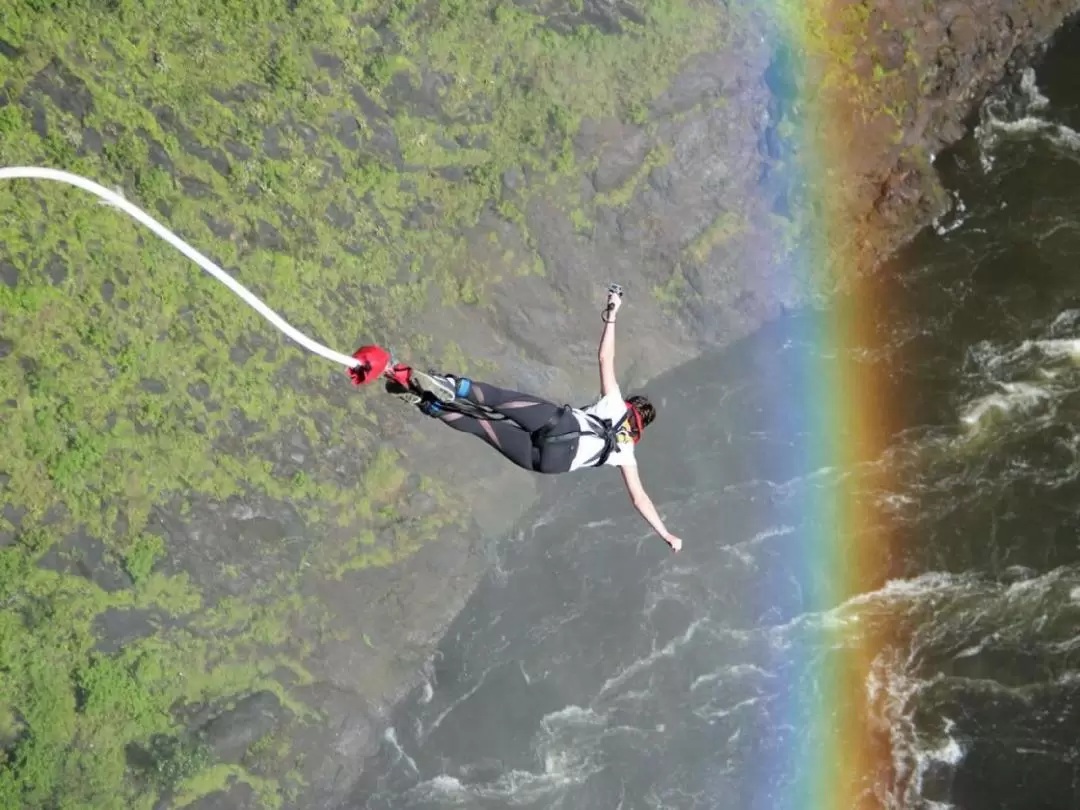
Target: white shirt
(613,407)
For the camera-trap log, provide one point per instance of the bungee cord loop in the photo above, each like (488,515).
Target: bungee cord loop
(117,201)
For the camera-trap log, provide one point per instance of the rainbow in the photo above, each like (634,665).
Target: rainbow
(833,758)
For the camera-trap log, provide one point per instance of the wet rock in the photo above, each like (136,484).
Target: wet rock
(169,121)
(10,51)
(117,627)
(702,82)
(347,736)
(964,31)
(194,187)
(468,141)
(424,99)
(420,217)
(39,122)
(266,235)
(298,225)
(631,12)
(512,180)
(14,514)
(214,534)
(9,274)
(951,9)
(894,52)
(346,129)
(304,131)
(7,532)
(243,93)
(56,269)
(455,174)
(339,217)
(220,228)
(332,167)
(54,514)
(156,153)
(271,144)
(231,733)
(92,143)
(6,347)
(31,372)
(371,110)
(382,140)
(327,61)
(152,386)
(215,157)
(238,150)
(357,249)
(622,151)
(662,179)
(79,554)
(66,90)
(199,390)
(121,524)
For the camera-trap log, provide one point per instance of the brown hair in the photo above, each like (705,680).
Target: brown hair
(645,408)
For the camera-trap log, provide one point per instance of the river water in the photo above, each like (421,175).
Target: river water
(592,670)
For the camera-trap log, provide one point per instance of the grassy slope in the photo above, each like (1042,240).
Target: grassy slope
(119,387)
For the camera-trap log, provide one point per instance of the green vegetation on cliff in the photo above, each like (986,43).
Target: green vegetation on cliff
(330,154)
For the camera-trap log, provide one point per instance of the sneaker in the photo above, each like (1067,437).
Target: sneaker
(430,406)
(461,386)
(442,387)
(403,393)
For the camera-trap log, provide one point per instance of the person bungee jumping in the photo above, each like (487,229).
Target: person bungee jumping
(531,432)
(539,435)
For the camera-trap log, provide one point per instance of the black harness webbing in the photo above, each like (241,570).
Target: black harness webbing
(603,429)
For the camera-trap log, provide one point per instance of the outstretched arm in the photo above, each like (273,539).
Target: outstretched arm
(607,346)
(643,503)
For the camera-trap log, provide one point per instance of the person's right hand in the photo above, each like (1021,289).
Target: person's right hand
(674,542)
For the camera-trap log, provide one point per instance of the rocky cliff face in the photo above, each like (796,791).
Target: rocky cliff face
(461,181)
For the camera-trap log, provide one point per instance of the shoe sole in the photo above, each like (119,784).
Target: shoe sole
(409,398)
(437,388)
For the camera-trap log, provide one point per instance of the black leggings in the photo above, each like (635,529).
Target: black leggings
(511,436)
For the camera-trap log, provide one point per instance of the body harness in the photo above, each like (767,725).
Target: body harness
(604,429)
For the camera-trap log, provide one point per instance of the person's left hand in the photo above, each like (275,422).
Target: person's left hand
(674,542)
(613,303)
